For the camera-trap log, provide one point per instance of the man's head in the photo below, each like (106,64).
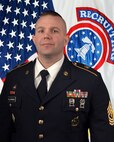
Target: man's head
(55,14)
(50,35)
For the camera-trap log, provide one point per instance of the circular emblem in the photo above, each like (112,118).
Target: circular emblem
(87,45)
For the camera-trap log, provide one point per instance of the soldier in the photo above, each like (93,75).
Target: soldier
(72,100)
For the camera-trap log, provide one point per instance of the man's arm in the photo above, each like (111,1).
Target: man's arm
(5,116)
(101,127)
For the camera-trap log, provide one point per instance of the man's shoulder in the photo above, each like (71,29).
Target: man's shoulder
(86,68)
(21,67)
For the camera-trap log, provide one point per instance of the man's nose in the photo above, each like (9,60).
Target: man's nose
(47,35)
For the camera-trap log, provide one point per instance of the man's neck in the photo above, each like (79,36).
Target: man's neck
(48,61)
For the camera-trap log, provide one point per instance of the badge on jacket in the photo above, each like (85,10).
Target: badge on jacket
(12,97)
(76,94)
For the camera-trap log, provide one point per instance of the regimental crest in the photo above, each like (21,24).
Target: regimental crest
(91,39)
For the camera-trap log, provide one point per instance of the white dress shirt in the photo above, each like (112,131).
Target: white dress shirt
(53,70)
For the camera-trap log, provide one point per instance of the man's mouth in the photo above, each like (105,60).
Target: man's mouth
(47,44)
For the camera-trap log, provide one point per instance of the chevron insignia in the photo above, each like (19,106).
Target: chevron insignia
(110,114)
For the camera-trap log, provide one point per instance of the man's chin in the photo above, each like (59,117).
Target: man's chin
(48,55)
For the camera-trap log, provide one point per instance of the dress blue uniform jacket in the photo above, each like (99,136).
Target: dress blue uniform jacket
(76,101)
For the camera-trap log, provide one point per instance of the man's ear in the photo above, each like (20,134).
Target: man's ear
(33,38)
(66,40)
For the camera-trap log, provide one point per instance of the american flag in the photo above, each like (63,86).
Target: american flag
(17,23)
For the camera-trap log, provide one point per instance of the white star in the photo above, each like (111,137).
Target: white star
(30,36)
(3,32)
(76,35)
(25,12)
(15,22)
(20,46)
(18,57)
(19,1)
(6,20)
(69,49)
(13,34)
(27,2)
(21,35)
(29,48)
(8,56)
(98,44)
(72,56)
(1,7)
(71,41)
(98,52)
(8,9)
(32,25)
(1,43)
(44,5)
(0,54)
(83,33)
(5,67)
(17,11)
(34,14)
(23,24)
(90,33)
(95,37)
(10,44)
(95,59)
(36,3)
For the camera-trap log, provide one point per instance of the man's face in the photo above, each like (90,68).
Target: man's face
(50,36)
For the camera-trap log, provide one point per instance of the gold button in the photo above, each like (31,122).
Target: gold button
(40,122)
(65,73)
(41,108)
(40,136)
(10,105)
(77,109)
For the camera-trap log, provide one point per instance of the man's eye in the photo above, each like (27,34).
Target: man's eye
(40,31)
(55,31)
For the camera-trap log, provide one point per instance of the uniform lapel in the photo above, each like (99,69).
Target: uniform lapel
(27,82)
(63,80)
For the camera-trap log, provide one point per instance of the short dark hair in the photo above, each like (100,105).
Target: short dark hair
(53,13)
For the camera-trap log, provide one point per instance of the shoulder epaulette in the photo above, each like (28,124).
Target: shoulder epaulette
(86,68)
(19,66)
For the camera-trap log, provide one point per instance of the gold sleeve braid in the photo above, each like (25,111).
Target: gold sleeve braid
(110,114)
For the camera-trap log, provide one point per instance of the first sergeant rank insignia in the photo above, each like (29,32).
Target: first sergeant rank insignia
(110,114)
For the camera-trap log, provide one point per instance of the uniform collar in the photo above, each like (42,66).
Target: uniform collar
(53,70)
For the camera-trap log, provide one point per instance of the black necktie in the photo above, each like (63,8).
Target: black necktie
(42,88)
